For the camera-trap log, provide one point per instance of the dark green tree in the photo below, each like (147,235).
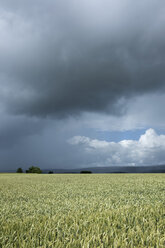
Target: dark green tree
(19,170)
(50,172)
(34,169)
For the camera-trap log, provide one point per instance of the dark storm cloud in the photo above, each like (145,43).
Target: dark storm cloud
(14,129)
(60,58)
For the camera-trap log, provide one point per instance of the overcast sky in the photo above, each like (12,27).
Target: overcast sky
(82,83)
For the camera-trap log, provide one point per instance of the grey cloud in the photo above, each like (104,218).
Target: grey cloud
(29,141)
(60,58)
(15,129)
(143,112)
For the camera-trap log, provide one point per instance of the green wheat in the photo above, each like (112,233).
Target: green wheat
(97,210)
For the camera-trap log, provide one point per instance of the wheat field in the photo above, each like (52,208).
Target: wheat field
(76,210)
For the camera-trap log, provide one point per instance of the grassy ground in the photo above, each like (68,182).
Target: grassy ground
(97,210)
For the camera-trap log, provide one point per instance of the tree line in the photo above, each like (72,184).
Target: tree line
(32,169)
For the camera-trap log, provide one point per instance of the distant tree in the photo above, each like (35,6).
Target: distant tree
(86,172)
(34,169)
(19,170)
(50,172)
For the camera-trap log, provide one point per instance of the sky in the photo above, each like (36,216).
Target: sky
(82,83)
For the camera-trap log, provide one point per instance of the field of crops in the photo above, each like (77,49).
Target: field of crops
(94,210)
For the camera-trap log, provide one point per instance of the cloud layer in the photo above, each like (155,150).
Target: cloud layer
(79,67)
(148,150)
(60,58)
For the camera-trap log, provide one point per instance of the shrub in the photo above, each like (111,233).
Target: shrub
(50,172)
(19,170)
(86,172)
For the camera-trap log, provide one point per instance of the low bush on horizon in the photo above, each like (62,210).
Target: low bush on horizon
(75,210)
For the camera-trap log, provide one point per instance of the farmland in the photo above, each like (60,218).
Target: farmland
(75,210)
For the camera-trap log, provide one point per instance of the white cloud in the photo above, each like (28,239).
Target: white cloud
(149,149)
